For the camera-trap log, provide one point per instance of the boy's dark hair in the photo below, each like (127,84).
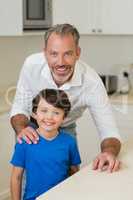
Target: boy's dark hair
(57,98)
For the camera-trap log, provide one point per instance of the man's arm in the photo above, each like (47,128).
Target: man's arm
(21,107)
(107,159)
(100,108)
(16,182)
(20,123)
(111,145)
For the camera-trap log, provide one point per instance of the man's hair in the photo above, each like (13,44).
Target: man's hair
(62,30)
(57,98)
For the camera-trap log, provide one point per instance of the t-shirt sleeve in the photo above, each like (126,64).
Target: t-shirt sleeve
(74,153)
(18,158)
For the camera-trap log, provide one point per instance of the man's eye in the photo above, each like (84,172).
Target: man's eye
(68,53)
(54,54)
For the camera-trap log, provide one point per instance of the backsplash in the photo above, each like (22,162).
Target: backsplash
(104,53)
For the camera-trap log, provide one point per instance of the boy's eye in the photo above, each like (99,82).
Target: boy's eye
(56,113)
(44,111)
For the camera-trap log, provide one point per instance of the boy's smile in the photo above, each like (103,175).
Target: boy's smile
(49,118)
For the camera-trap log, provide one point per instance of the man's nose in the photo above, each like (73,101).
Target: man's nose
(61,60)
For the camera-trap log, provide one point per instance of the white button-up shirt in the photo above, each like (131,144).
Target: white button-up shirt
(85,90)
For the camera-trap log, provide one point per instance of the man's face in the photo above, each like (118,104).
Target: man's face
(61,53)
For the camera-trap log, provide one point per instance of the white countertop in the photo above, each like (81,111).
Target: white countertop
(118,98)
(92,185)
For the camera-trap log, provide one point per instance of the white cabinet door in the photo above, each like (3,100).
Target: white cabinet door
(88,138)
(6,148)
(10,17)
(116,16)
(89,16)
(76,12)
(95,16)
(124,118)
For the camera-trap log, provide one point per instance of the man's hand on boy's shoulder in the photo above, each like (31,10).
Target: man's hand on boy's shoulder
(29,135)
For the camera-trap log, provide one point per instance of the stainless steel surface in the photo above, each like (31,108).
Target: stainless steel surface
(37,15)
(110,82)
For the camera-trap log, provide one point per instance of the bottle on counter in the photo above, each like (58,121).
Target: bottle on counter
(124,83)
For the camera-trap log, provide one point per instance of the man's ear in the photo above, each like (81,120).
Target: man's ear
(78,52)
(44,51)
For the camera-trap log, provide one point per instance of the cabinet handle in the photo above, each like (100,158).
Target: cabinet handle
(99,30)
(94,30)
(49,6)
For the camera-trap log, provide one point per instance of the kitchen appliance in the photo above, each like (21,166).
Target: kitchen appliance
(124,82)
(110,82)
(125,79)
(37,14)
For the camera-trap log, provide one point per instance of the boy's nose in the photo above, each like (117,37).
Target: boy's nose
(49,115)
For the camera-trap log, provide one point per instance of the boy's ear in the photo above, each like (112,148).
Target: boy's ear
(64,116)
(33,115)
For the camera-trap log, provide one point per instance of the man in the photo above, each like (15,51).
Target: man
(59,67)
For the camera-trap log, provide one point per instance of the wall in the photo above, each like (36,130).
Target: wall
(107,53)
(13,51)
(101,52)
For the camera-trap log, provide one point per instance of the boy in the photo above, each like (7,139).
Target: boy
(56,155)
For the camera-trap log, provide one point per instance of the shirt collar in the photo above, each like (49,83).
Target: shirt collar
(77,76)
(47,74)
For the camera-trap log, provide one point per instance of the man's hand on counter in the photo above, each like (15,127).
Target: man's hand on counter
(106,162)
(107,159)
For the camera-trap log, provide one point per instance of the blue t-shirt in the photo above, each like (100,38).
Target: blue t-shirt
(47,163)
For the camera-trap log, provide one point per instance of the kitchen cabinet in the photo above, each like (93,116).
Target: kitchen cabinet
(115,17)
(89,16)
(94,16)
(7,140)
(88,138)
(6,149)
(73,12)
(11,17)
(123,115)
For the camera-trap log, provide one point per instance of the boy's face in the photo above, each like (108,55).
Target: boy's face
(48,117)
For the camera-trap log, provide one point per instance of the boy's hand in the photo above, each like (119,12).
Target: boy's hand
(29,135)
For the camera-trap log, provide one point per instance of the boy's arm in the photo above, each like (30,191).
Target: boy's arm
(16,182)
(73,169)
(75,159)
